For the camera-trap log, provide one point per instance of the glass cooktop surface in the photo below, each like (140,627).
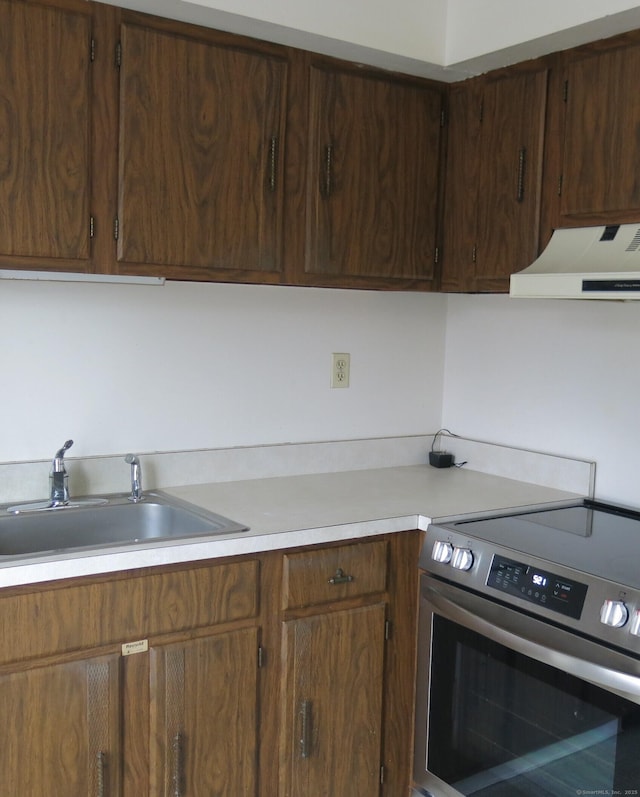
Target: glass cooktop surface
(593,538)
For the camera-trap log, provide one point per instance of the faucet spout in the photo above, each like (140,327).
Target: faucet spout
(58,478)
(136,477)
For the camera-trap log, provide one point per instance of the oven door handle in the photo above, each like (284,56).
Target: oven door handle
(605,668)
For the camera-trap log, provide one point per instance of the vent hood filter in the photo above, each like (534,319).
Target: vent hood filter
(585,263)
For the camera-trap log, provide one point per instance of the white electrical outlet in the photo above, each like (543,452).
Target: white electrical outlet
(340,369)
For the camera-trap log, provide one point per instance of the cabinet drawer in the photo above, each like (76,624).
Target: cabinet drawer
(57,620)
(330,574)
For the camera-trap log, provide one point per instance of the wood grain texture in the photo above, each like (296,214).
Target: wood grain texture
(45,133)
(327,652)
(204,720)
(399,684)
(91,614)
(70,695)
(199,184)
(494,178)
(371,211)
(508,223)
(601,163)
(307,575)
(335,666)
(461,187)
(60,733)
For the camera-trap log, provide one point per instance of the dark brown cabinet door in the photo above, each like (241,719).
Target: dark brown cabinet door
(461,188)
(204,716)
(45,136)
(495,168)
(61,728)
(372,187)
(333,688)
(201,150)
(601,157)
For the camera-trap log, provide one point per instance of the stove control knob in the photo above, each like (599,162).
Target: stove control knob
(442,551)
(635,623)
(614,613)
(462,558)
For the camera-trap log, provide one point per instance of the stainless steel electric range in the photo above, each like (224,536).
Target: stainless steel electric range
(529,654)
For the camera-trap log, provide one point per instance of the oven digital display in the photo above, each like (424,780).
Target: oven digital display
(537,586)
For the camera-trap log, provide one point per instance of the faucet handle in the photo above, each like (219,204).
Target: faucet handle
(58,478)
(58,464)
(136,477)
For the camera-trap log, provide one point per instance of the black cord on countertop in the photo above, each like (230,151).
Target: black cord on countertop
(451,434)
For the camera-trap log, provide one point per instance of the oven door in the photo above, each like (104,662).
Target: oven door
(512,706)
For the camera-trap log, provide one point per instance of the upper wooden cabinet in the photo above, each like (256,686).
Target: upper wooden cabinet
(494,179)
(201,152)
(373,153)
(135,145)
(45,136)
(595,148)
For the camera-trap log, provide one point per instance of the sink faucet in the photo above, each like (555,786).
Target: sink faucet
(136,477)
(58,478)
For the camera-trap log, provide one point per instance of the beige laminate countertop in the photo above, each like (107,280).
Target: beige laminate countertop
(288,512)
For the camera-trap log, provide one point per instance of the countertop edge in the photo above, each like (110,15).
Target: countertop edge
(291,512)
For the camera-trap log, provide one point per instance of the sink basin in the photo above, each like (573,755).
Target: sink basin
(114,522)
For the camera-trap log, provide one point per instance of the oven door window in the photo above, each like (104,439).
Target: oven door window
(504,725)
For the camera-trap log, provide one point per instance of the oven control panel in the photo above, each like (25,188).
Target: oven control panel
(557,593)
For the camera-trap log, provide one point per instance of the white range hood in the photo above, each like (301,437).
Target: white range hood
(585,263)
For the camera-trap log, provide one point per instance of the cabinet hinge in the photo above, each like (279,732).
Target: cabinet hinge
(565,91)
(481,109)
(92,50)
(260,657)
(474,254)
(443,118)
(560,185)
(118,55)
(92,226)
(436,255)
(387,629)
(382,774)
(116,228)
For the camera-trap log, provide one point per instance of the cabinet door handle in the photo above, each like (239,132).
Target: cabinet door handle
(100,774)
(306,728)
(176,776)
(340,577)
(273,163)
(522,162)
(328,156)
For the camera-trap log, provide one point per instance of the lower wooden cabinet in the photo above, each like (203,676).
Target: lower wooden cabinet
(198,681)
(332,726)
(348,652)
(204,717)
(61,729)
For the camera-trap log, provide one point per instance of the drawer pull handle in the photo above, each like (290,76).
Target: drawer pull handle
(100,774)
(306,727)
(522,162)
(273,163)
(328,156)
(176,775)
(340,577)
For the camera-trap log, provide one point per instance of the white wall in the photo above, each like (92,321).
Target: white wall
(185,366)
(477,27)
(441,39)
(140,368)
(555,376)
(413,28)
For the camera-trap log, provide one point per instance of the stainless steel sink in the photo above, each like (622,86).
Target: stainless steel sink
(115,522)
